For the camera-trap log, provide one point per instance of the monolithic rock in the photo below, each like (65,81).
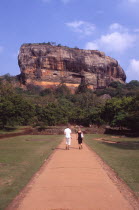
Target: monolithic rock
(46,66)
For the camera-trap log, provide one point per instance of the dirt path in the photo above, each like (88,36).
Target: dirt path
(71,180)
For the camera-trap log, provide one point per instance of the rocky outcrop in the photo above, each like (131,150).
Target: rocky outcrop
(46,66)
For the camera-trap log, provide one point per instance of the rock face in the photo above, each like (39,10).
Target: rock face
(46,66)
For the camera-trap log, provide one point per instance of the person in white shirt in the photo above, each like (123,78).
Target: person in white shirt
(67,133)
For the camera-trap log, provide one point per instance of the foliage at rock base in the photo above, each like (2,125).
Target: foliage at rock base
(59,106)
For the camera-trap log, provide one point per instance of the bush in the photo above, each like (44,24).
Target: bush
(45,92)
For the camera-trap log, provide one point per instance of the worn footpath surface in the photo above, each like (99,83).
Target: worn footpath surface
(71,180)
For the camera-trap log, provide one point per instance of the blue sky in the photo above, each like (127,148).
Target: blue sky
(110,26)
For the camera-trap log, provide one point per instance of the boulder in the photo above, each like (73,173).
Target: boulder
(45,65)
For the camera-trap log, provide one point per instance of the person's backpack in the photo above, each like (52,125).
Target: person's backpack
(82,135)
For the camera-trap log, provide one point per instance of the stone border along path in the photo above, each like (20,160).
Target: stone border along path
(74,180)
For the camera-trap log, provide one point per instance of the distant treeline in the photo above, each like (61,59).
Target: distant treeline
(57,107)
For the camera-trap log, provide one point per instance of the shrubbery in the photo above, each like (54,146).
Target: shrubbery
(59,106)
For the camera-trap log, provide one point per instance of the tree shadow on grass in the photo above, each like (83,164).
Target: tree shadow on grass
(9,129)
(124,145)
(125,132)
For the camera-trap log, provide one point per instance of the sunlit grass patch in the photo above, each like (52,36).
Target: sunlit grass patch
(20,158)
(114,138)
(122,157)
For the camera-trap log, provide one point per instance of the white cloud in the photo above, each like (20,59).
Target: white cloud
(117,41)
(1,49)
(136,30)
(134,66)
(113,42)
(117,27)
(133,70)
(92,46)
(82,27)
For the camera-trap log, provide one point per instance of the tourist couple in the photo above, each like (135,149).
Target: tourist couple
(80,136)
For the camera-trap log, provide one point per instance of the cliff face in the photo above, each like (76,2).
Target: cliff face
(46,66)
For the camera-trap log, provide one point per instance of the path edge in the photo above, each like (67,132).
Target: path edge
(122,186)
(21,195)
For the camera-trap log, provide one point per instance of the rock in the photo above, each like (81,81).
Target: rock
(105,97)
(45,65)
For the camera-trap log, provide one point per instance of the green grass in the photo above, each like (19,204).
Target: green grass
(123,158)
(115,138)
(20,158)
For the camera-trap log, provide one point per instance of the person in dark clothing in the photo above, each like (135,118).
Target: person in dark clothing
(80,138)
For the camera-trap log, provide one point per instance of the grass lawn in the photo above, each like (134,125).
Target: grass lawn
(20,158)
(115,138)
(123,158)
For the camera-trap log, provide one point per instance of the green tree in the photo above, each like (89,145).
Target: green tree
(62,90)
(83,87)
(133,84)
(95,116)
(115,111)
(46,91)
(14,109)
(116,84)
(6,112)
(133,114)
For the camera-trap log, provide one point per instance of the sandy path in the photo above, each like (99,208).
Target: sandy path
(72,179)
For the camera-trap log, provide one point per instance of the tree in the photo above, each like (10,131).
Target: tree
(119,120)
(83,87)
(133,114)
(62,90)
(115,111)
(6,112)
(46,91)
(77,48)
(133,84)
(59,45)
(14,109)
(95,116)
(7,77)
(116,84)
(24,110)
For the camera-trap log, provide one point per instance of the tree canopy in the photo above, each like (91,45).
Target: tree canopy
(59,106)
